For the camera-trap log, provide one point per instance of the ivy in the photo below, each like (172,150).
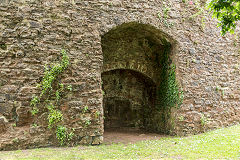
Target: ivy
(54,116)
(50,95)
(51,73)
(50,76)
(169,93)
(164,18)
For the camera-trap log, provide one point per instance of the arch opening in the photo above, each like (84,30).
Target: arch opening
(132,65)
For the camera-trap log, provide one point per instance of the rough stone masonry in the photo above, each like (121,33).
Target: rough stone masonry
(113,46)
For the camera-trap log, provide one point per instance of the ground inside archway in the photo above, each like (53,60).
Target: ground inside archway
(128,135)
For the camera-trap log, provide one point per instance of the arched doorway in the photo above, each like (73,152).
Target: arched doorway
(132,66)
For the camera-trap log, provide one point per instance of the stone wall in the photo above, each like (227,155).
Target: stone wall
(33,32)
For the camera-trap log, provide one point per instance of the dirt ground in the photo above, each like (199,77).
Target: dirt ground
(126,135)
(118,135)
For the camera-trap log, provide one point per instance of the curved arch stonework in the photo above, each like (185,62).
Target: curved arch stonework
(131,65)
(32,34)
(135,46)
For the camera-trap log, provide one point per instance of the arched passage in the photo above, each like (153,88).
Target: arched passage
(132,65)
(129,96)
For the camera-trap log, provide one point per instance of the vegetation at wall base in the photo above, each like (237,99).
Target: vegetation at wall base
(222,143)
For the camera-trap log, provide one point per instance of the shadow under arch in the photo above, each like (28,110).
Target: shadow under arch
(128,96)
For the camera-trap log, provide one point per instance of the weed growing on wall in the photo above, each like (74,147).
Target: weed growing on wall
(3,46)
(51,93)
(164,18)
(203,120)
(63,135)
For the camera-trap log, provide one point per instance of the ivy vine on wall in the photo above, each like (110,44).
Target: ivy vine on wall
(169,92)
(51,93)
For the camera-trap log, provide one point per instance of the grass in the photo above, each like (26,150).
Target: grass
(219,144)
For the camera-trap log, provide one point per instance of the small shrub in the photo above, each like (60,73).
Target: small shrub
(63,136)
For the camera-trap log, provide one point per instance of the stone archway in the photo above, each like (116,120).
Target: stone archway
(132,56)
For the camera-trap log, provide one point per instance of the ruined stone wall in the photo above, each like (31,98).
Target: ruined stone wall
(33,32)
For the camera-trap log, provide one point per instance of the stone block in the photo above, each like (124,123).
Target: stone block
(3,122)
(24,116)
(86,140)
(97,140)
